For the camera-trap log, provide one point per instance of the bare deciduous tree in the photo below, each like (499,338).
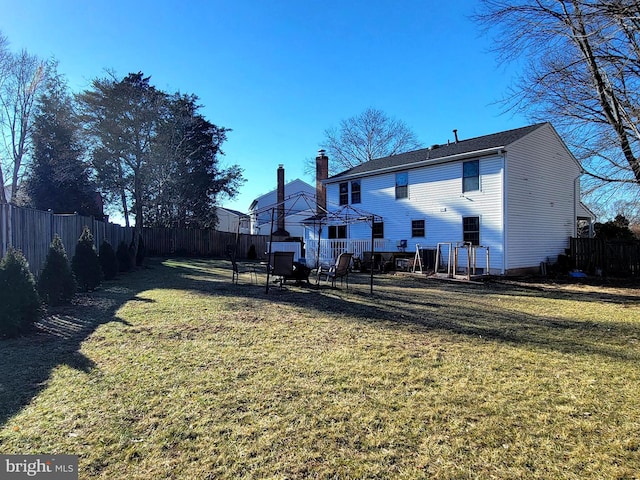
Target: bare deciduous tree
(4,69)
(371,134)
(582,72)
(21,78)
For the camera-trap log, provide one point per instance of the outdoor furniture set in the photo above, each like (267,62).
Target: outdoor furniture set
(282,268)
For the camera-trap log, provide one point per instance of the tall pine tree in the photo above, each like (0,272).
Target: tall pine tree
(59,178)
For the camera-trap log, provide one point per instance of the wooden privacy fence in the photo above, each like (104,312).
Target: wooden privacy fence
(609,257)
(31,231)
(196,242)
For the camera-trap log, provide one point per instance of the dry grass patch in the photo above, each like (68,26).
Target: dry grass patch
(177,373)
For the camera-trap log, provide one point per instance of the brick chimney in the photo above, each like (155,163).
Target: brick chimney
(280,231)
(322,173)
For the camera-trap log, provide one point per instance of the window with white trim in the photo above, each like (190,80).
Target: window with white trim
(378,229)
(402,185)
(417,228)
(471,230)
(344,193)
(355,191)
(337,231)
(470,176)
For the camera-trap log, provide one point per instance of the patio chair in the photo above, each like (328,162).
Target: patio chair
(237,269)
(339,270)
(282,266)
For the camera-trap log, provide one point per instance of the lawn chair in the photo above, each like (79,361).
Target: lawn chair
(339,270)
(282,266)
(238,269)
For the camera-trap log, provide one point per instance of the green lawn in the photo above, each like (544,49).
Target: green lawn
(174,372)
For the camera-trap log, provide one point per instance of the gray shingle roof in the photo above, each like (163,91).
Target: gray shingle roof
(440,152)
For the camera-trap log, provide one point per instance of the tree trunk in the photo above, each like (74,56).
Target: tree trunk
(125,209)
(611,107)
(3,196)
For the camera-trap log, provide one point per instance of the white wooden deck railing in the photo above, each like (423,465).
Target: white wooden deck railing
(328,251)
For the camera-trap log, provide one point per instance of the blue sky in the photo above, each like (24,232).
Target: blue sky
(279,72)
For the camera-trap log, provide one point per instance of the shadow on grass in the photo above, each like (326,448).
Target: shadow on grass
(397,303)
(408,302)
(26,362)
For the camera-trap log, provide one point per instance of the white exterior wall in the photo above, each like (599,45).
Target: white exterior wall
(293,205)
(542,198)
(435,195)
(227,221)
(293,224)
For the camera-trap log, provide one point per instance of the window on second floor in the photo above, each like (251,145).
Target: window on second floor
(344,193)
(402,185)
(471,176)
(417,228)
(355,191)
(471,230)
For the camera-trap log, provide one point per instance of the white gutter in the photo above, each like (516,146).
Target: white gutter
(436,161)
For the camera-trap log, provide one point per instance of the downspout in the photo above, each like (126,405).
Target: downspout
(576,196)
(505,213)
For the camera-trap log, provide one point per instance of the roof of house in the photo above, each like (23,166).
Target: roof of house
(235,212)
(438,153)
(287,188)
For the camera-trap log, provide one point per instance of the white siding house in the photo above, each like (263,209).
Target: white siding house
(299,202)
(232,221)
(516,192)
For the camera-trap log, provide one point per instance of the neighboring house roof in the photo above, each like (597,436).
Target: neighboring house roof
(287,188)
(438,153)
(235,212)
(588,211)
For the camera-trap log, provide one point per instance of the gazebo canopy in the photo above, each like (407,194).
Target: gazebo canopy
(335,214)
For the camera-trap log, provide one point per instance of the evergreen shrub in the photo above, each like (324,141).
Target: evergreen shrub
(124,257)
(85,263)
(108,261)
(141,253)
(56,284)
(20,305)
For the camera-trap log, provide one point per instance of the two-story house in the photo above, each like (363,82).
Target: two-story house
(232,221)
(516,192)
(290,207)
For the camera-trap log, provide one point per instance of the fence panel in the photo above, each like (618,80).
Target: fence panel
(194,242)
(609,257)
(31,231)
(28,230)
